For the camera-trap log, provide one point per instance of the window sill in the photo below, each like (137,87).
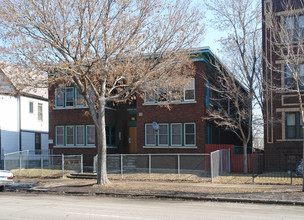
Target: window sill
(289,140)
(75,146)
(170,103)
(80,107)
(177,147)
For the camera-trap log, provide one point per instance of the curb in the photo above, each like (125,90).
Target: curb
(165,197)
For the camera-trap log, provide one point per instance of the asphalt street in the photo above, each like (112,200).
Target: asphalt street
(42,206)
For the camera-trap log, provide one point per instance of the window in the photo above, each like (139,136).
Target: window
(59,97)
(162,95)
(189,134)
(150,135)
(79,99)
(190,91)
(75,135)
(80,135)
(176,134)
(150,97)
(69,96)
(40,110)
(70,135)
(110,135)
(163,135)
(290,75)
(31,107)
(294,26)
(186,94)
(59,135)
(90,135)
(293,125)
(37,143)
(171,134)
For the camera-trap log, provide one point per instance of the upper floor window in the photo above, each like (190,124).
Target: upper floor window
(172,95)
(294,26)
(292,73)
(40,112)
(31,107)
(68,97)
(293,125)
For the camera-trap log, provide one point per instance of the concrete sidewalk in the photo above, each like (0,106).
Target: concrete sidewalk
(250,193)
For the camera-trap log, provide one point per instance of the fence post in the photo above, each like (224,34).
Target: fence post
(221,156)
(62,164)
(41,165)
(211,167)
(178,165)
(121,166)
(229,162)
(149,166)
(4,165)
(20,160)
(81,165)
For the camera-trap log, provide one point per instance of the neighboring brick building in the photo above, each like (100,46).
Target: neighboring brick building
(283,134)
(129,127)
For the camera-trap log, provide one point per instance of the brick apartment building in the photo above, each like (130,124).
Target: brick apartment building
(283,134)
(130,128)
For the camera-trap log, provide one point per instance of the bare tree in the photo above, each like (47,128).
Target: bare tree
(287,58)
(109,49)
(241,21)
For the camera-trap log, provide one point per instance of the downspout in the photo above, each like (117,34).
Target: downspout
(19,120)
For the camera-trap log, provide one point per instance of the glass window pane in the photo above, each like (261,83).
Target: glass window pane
(190,139)
(91,134)
(189,94)
(189,128)
(163,134)
(59,97)
(149,130)
(289,22)
(69,96)
(176,139)
(162,95)
(150,98)
(291,119)
(70,135)
(150,139)
(59,135)
(79,99)
(190,134)
(301,21)
(80,134)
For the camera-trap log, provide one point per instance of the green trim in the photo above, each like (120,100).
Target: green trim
(132,123)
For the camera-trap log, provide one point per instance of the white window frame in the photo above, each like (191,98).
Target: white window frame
(189,133)
(146,143)
(65,101)
(62,90)
(162,124)
(78,95)
(56,135)
(181,134)
(88,135)
(186,88)
(66,135)
(80,126)
(40,112)
(150,102)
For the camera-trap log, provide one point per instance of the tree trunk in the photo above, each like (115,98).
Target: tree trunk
(245,158)
(102,177)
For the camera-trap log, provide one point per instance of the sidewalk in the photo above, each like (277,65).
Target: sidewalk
(252,193)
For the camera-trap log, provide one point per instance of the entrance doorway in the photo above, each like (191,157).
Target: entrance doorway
(132,140)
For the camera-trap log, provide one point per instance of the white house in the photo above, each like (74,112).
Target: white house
(24,119)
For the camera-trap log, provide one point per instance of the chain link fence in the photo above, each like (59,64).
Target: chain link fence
(220,163)
(42,164)
(151,165)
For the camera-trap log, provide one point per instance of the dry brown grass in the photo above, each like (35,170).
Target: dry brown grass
(231,178)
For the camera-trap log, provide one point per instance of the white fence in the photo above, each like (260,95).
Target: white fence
(197,164)
(220,162)
(23,160)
